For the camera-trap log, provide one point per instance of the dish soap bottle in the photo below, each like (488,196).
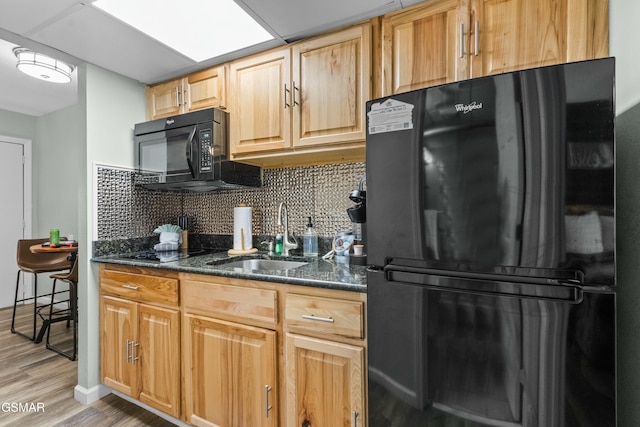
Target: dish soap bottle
(310,241)
(278,244)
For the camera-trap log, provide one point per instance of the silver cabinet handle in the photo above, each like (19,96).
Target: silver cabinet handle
(127,286)
(286,91)
(177,97)
(354,419)
(267,407)
(319,319)
(133,352)
(293,94)
(127,352)
(476,39)
(461,40)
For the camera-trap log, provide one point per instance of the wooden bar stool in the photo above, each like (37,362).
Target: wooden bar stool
(29,262)
(70,314)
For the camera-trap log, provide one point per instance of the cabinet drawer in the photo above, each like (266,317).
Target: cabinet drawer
(249,305)
(140,287)
(325,315)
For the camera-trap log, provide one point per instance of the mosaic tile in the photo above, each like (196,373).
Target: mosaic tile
(125,210)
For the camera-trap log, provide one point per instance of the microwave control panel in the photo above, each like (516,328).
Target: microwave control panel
(206,161)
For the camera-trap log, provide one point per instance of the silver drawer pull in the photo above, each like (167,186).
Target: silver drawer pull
(319,319)
(135,288)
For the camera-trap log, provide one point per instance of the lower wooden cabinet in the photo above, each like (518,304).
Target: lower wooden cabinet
(140,352)
(230,373)
(325,358)
(140,341)
(118,328)
(325,383)
(224,352)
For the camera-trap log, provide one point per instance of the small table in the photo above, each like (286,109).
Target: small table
(73,253)
(72,250)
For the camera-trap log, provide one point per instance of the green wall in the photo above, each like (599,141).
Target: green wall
(111,105)
(18,125)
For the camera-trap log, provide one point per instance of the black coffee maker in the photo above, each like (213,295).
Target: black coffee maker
(358,216)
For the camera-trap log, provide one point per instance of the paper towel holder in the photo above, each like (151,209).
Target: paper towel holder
(240,227)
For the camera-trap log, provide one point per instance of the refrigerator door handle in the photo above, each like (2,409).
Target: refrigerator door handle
(554,290)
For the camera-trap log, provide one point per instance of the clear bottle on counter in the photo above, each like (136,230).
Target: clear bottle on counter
(310,241)
(278,244)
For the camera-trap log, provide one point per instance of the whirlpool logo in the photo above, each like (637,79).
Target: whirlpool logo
(464,109)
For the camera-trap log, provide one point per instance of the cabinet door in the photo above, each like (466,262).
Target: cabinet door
(325,383)
(260,87)
(118,327)
(517,34)
(331,83)
(421,47)
(206,89)
(159,358)
(230,374)
(164,99)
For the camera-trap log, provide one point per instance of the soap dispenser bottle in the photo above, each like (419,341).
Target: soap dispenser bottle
(310,241)
(278,244)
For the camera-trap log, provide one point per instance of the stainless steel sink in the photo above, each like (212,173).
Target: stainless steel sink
(265,264)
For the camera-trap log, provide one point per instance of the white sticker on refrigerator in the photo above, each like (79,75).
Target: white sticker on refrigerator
(390,116)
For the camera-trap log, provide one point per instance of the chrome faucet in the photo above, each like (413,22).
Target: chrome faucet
(286,244)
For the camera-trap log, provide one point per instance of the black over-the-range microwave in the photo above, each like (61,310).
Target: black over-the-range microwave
(189,152)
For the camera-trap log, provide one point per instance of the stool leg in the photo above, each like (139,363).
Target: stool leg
(15,304)
(73,315)
(45,322)
(35,308)
(53,292)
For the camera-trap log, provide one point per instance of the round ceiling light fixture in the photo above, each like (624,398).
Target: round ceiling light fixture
(42,67)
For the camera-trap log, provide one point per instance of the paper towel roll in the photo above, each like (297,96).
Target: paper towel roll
(242,234)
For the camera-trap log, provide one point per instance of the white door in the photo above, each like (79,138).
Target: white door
(12,214)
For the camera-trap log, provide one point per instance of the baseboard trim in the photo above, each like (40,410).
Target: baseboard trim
(86,396)
(152,410)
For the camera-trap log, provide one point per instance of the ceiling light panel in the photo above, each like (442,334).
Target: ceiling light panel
(199,29)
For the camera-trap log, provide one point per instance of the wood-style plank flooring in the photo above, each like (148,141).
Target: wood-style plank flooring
(43,382)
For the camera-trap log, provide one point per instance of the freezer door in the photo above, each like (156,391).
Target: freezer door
(450,352)
(511,170)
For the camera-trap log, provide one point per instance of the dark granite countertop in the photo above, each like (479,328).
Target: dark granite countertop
(320,273)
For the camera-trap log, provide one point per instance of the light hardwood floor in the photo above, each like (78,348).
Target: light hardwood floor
(44,381)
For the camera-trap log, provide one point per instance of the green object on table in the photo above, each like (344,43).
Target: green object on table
(54,236)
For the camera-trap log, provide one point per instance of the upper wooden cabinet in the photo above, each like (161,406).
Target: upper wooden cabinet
(450,40)
(419,47)
(310,95)
(260,89)
(204,89)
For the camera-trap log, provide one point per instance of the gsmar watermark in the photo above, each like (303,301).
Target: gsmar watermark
(15,407)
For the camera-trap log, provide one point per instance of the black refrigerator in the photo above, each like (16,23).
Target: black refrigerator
(491,244)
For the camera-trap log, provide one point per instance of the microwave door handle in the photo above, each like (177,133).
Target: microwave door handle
(189,152)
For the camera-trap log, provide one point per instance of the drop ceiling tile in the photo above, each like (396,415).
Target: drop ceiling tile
(102,40)
(26,15)
(297,18)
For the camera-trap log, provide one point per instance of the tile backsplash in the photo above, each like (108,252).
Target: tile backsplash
(126,211)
